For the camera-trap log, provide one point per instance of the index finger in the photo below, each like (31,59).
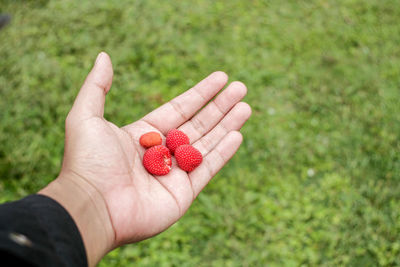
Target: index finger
(183,107)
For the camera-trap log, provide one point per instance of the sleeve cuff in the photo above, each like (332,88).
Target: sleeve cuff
(39,231)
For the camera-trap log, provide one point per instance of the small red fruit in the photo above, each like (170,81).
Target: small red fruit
(176,138)
(188,157)
(157,160)
(150,139)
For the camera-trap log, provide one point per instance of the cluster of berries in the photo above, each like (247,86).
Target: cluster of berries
(157,158)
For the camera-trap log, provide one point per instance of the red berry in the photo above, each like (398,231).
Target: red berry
(150,139)
(157,160)
(188,157)
(176,138)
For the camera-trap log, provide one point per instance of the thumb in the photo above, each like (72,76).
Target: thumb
(91,97)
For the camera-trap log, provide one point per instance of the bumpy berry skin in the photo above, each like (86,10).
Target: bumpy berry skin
(188,157)
(150,139)
(157,160)
(176,138)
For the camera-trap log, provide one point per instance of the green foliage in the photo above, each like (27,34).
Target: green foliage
(317,180)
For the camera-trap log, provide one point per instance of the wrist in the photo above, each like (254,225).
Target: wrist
(87,207)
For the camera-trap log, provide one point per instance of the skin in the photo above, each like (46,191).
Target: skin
(103,184)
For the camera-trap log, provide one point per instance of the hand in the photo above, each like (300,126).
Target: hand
(103,183)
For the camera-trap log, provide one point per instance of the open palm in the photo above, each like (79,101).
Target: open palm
(109,158)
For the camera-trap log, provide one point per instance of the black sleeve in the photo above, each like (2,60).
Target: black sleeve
(37,231)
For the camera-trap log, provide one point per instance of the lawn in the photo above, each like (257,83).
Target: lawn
(317,179)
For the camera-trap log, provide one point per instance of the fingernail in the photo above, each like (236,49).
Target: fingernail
(99,56)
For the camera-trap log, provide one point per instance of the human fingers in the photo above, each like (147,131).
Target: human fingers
(215,160)
(91,97)
(233,121)
(183,107)
(208,117)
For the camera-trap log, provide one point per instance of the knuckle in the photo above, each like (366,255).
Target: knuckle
(198,125)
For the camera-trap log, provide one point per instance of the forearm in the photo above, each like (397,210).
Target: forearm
(89,211)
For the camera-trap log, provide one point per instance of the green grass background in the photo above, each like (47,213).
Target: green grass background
(317,179)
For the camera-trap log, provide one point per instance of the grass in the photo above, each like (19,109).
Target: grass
(317,179)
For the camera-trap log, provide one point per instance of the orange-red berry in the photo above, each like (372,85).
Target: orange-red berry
(150,139)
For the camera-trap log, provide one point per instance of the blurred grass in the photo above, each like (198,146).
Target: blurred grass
(317,179)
